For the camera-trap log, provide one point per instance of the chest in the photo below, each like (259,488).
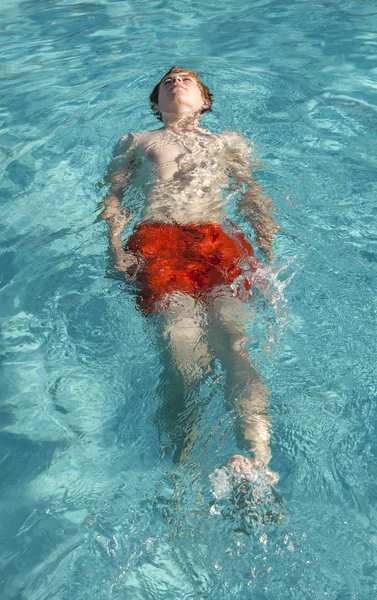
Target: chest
(172,148)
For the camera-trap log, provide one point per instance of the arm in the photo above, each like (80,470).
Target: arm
(118,176)
(253,202)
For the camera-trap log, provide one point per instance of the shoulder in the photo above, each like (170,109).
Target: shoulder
(240,148)
(135,141)
(235,141)
(126,143)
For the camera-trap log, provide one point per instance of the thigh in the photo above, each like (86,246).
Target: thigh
(184,330)
(229,336)
(183,320)
(230,319)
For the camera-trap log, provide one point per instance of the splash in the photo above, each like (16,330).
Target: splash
(248,500)
(268,284)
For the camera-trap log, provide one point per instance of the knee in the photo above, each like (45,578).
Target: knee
(185,331)
(238,345)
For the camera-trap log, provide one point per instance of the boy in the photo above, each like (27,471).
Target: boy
(191,264)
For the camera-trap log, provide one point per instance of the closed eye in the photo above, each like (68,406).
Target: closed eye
(168,80)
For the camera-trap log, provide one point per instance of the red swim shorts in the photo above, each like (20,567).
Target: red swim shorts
(188,258)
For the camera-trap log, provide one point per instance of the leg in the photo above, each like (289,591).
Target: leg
(186,358)
(184,331)
(229,341)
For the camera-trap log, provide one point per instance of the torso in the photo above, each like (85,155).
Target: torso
(183,174)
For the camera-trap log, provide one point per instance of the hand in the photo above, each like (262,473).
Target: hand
(269,254)
(127,262)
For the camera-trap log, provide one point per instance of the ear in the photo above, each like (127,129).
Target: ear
(206,104)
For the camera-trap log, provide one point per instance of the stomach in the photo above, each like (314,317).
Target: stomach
(183,207)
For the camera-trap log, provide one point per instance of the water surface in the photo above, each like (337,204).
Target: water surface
(90,510)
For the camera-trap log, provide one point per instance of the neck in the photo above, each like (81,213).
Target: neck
(181,122)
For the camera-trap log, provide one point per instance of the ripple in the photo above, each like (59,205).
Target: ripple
(90,506)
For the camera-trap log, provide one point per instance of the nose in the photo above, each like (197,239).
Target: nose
(176,79)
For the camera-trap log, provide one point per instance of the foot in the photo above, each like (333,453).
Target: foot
(246,467)
(243,492)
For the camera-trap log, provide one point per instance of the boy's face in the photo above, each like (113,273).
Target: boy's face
(180,93)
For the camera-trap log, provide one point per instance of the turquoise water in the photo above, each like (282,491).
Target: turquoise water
(90,508)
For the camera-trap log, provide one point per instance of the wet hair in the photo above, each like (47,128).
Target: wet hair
(153,98)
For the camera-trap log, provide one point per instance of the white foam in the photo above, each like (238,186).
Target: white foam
(221,483)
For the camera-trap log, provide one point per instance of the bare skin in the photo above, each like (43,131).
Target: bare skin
(183,169)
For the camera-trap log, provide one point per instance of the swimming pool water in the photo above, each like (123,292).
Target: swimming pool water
(90,508)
